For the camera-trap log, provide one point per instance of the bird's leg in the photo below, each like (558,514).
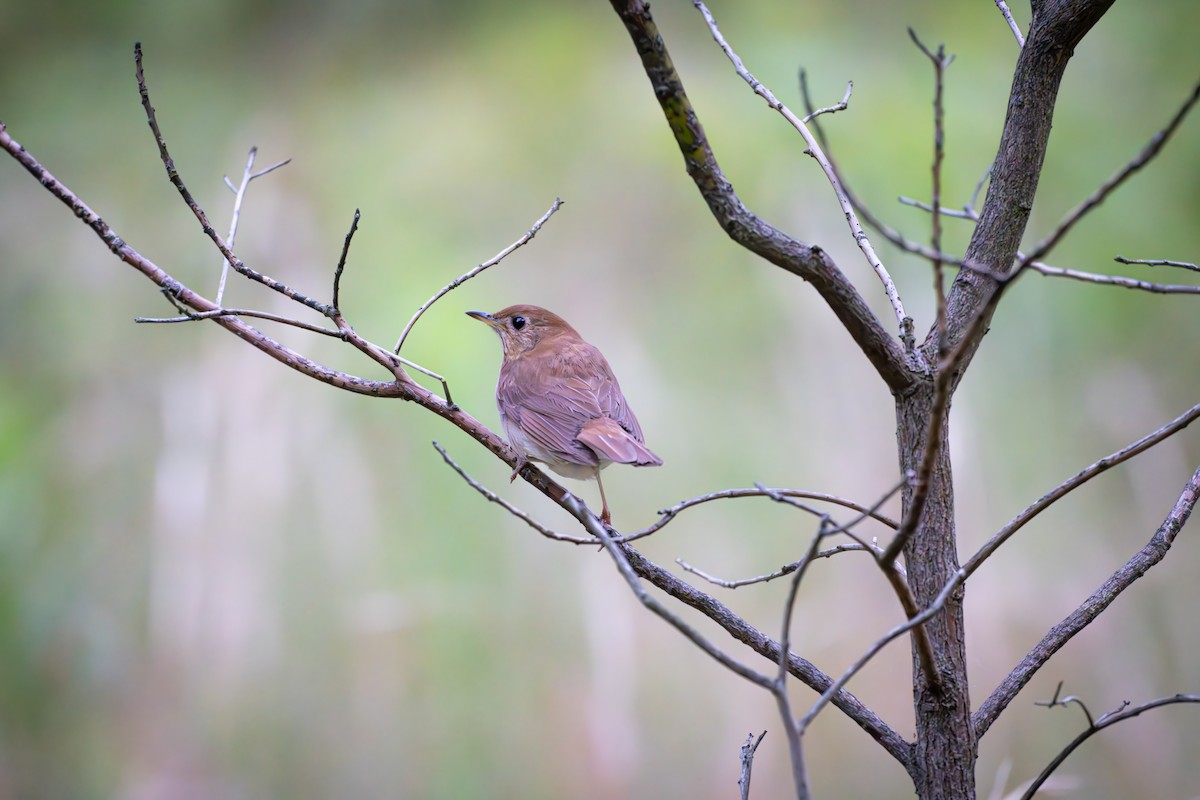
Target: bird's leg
(605,517)
(520,465)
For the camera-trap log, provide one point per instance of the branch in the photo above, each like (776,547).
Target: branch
(1077,480)
(1137,566)
(1157,262)
(814,149)
(1094,727)
(748,749)
(1152,148)
(239,193)
(786,569)
(940,62)
(1012,23)
(507,506)
(912,624)
(491,262)
(804,260)
(769,649)
(1113,280)
(668,514)
(209,231)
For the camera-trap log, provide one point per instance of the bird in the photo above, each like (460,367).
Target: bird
(559,401)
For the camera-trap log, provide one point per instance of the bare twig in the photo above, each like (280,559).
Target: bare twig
(1077,480)
(471,273)
(749,747)
(193,316)
(1111,718)
(940,62)
(1059,700)
(507,506)
(1012,23)
(814,149)
(786,569)
(668,514)
(239,192)
(209,231)
(1152,148)
(945,212)
(341,265)
(1157,262)
(1113,280)
(970,206)
(842,106)
(1153,552)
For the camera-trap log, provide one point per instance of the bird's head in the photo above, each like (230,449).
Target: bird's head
(521,328)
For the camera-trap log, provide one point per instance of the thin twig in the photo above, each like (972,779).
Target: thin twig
(1148,152)
(970,206)
(507,506)
(1152,553)
(749,747)
(1113,280)
(1077,480)
(193,316)
(814,149)
(1157,262)
(209,231)
(471,273)
(940,62)
(1012,23)
(842,106)
(786,569)
(945,212)
(1107,720)
(341,265)
(668,514)
(239,193)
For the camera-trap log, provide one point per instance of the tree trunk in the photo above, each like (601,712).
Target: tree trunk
(945,752)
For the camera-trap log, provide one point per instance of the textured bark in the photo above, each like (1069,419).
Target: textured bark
(943,763)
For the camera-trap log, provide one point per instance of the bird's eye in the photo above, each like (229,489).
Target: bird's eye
(518,322)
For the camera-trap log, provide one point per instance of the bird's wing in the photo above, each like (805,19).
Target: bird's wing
(551,419)
(612,442)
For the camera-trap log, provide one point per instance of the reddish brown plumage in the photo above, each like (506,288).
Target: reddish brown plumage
(559,400)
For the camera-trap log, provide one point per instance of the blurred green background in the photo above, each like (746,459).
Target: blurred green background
(220,579)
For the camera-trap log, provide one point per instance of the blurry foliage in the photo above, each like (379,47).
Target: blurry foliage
(219,579)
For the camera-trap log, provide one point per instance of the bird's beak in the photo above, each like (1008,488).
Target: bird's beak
(483,316)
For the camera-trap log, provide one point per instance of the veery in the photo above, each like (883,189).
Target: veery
(559,400)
